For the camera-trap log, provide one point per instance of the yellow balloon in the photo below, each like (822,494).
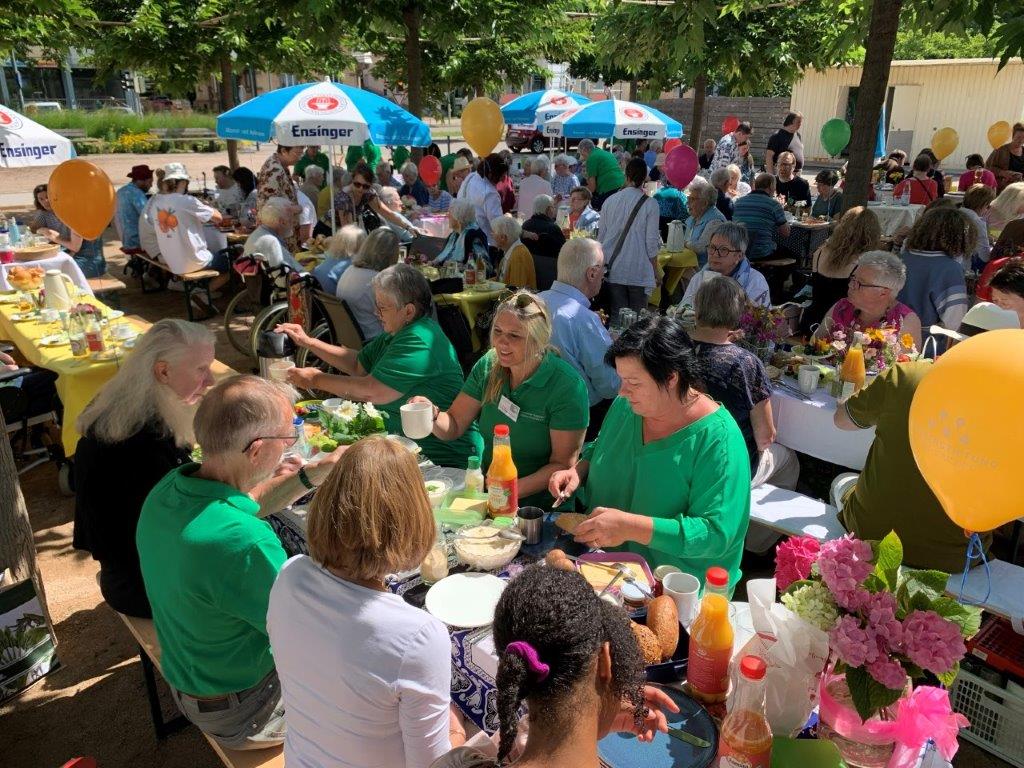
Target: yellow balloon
(999,134)
(968,447)
(82,197)
(482,125)
(944,142)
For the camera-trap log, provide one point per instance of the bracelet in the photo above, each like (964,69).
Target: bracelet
(437,412)
(304,479)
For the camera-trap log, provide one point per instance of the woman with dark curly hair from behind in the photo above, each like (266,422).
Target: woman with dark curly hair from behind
(574,660)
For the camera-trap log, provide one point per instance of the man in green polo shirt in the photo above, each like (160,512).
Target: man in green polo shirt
(209,561)
(604,176)
(312,156)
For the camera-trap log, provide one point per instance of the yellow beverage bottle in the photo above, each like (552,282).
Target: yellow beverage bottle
(711,639)
(746,737)
(852,370)
(502,477)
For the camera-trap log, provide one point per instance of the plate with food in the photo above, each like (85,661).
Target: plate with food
(54,340)
(465,600)
(24,317)
(308,410)
(9,297)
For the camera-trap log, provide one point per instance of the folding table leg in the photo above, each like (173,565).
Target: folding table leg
(163,728)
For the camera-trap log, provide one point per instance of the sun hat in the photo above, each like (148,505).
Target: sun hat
(983,316)
(175,172)
(460,164)
(140,172)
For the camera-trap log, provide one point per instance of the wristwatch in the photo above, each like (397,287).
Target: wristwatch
(304,479)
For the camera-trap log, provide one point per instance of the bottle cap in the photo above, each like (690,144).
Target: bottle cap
(501,430)
(753,667)
(474,462)
(297,421)
(717,577)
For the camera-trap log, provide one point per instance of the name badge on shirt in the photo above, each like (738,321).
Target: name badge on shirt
(509,408)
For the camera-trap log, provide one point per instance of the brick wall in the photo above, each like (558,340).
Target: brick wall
(764,114)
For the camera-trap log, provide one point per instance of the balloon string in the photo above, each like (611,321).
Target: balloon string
(975,551)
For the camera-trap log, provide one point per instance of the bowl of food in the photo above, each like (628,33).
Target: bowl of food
(437,490)
(483,547)
(34,252)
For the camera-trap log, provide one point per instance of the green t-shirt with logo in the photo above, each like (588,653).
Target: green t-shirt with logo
(604,169)
(554,397)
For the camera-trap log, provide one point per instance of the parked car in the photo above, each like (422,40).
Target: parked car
(529,137)
(33,107)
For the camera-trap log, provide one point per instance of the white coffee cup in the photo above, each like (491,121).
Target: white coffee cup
(684,589)
(49,315)
(279,369)
(808,377)
(123,332)
(417,420)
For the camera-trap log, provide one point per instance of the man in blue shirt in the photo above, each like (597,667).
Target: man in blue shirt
(576,330)
(763,216)
(131,199)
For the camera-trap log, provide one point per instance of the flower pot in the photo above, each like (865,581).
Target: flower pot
(839,723)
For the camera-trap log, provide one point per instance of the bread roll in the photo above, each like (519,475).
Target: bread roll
(650,648)
(663,621)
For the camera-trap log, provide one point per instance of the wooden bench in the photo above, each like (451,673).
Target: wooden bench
(144,633)
(793,514)
(106,287)
(71,133)
(191,281)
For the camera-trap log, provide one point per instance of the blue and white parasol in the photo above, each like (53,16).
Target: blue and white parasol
(25,142)
(614,119)
(539,106)
(323,113)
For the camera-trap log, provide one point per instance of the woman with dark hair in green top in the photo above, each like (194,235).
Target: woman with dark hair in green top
(522,382)
(669,475)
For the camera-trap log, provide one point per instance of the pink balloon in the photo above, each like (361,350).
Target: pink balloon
(430,170)
(671,144)
(681,166)
(730,124)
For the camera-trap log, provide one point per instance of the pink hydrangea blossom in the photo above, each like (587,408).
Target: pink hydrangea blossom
(879,611)
(844,565)
(932,642)
(888,672)
(794,558)
(853,644)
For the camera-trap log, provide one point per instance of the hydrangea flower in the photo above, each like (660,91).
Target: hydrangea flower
(853,644)
(844,565)
(932,642)
(814,604)
(794,558)
(879,611)
(888,672)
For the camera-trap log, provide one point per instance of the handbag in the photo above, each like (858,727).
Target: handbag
(603,300)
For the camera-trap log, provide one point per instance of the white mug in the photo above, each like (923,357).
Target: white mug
(417,420)
(684,589)
(808,377)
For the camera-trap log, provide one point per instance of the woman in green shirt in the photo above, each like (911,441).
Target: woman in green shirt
(668,476)
(523,383)
(412,355)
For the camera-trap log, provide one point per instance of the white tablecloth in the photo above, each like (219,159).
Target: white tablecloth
(806,426)
(894,217)
(61,261)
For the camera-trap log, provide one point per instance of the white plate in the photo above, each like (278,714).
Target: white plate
(114,315)
(54,340)
(465,599)
(24,317)
(9,298)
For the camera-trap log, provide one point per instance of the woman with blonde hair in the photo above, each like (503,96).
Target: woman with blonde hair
(521,382)
(365,677)
(857,232)
(1006,208)
(341,249)
(136,430)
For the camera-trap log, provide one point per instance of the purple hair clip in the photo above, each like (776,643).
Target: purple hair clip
(529,654)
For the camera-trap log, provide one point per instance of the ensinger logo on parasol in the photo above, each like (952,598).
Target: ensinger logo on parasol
(322,104)
(38,152)
(9,121)
(320,132)
(640,133)
(636,114)
(560,100)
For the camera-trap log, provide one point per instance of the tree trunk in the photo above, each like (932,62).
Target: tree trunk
(17,548)
(227,101)
(412,17)
(632,90)
(700,88)
(874,83)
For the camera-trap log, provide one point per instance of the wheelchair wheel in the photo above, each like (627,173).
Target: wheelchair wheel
(304,358)
(265,320)
(239,319)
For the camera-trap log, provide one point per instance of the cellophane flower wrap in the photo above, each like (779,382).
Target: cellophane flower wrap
(884,622)
(882,346)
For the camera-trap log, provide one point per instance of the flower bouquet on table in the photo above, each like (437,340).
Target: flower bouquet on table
(345,423)
(882,347)
(887,626)
(762,329)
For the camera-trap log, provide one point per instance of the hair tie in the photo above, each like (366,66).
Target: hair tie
(529,654)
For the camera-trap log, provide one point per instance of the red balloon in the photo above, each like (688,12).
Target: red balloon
(681,165)
(430,170)
(671,144)
(730,124)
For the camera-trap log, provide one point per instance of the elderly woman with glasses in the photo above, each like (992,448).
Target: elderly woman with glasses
(524,384)
(726,251)
(467,240)
(669,475)
(411,356)
(871,299)
(829,202)
(703,217)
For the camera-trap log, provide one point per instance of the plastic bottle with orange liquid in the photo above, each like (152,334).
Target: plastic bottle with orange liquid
(502,477)
(852,371)
(746,737)
(711,639)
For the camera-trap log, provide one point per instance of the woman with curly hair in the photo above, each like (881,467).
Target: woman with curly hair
(935,252)
(574,660)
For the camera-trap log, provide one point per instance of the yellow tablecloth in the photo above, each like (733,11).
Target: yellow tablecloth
(472,303)
(674,266)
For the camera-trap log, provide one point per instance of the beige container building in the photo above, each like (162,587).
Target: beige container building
(968,95)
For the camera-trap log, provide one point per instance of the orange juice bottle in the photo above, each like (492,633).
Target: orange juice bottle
(746,737)
(852,371)
(502,477)
(711,639)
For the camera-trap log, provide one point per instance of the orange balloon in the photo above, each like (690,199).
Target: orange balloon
(999,134)
(482,125)
(966,445)
(82,197)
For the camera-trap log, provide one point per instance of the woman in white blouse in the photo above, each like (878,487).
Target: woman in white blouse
(365,677)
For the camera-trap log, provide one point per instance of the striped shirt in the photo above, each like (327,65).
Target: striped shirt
(763,215)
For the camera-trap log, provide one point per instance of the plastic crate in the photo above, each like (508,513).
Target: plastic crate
(996,715)
(999,646)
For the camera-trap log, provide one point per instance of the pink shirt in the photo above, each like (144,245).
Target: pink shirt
(980,176)
(844,316)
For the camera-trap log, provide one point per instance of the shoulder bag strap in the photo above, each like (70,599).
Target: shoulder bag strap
(924,187)
(625,231)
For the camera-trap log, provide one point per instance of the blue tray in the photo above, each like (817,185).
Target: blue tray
(625,751)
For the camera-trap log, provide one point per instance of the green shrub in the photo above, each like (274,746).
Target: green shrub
(108,124)
(89,146)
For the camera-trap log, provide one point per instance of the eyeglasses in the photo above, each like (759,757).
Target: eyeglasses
(855,283)
(784,165)
(290,440)
(716,250)
(361,185)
